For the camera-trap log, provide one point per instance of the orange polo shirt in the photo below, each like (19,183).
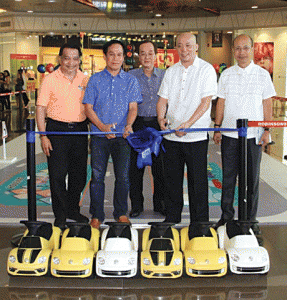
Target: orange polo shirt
(62,97)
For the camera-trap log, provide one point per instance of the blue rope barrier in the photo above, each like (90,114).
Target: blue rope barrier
(169,131)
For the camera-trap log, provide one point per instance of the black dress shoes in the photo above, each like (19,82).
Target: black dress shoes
(61,223)
(76,216)
(135,213)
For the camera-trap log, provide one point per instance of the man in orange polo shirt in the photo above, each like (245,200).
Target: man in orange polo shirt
(60,101)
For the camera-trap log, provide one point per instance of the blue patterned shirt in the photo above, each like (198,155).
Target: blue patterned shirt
(111,95)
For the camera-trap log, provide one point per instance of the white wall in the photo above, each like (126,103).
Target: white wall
(7,46)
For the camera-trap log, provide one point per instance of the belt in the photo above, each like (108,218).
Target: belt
(147,119)
(68,124)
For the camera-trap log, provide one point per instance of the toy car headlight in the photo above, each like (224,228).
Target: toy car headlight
(56,260)
(101,261)
(12,259)
(86,261)
(191,260)
(221,260)
(177,261)
(264,258)
(42,259)
(131,261)
(146,261)
(235,257)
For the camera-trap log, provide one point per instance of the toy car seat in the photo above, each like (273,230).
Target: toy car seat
(39,228)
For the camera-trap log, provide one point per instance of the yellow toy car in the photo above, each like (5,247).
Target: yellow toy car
(161,256)
(75,258)
(32,256)
(202,256)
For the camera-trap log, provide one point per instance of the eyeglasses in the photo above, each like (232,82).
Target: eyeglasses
(245,48)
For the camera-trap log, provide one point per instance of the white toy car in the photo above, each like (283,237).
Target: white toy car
(118,256)
(245,254)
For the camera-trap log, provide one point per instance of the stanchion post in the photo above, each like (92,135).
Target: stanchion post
(242,169)
(36,96)
(31,169)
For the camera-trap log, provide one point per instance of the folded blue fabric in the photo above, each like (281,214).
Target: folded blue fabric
(146,142)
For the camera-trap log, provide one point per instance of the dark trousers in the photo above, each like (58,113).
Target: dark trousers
(194,156)
(69,157)
(230,158)
(3,102)
(8,102)
(25,99)
(136,174)
(23,95)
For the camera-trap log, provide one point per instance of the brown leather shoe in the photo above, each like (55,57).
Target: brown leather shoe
(95,223)
(123,219)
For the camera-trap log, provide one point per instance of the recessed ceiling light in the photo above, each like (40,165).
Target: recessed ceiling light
(254,6)
(18,0)
(30,11)
(51,1)
(229,32)
(158,15)
(2,10)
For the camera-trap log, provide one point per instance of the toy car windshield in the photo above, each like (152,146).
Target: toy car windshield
(161,245)
(30,242)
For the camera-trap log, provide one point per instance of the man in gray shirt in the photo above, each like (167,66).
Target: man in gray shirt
(149,79)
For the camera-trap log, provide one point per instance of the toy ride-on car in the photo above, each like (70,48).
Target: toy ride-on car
(202,256)
(161,256)
(240,243)
(75,257)
(118,255)
(32,256)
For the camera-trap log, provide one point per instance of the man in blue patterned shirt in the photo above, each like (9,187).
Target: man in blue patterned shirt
(111,100)
(149,79)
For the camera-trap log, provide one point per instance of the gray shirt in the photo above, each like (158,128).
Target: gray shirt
(149,89)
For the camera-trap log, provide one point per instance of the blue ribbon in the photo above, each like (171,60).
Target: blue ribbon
(163,132)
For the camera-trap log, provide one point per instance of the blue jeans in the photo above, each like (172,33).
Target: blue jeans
(101,149)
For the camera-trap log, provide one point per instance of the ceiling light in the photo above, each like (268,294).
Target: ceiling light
(30,11)
(158,15)
(18,0)
(51,1)
(2,10)
(254,6)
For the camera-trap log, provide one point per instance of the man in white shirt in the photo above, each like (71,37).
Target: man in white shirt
(185,95)
(244,92)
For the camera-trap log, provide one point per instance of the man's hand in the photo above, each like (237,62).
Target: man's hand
(182,126)
(217,137)
(108,128)
(46,145)
(264,139)
(128,131)
(162,123)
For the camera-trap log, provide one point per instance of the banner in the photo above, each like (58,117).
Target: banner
(264,55)
(216,39)
(4,130)
(166,60)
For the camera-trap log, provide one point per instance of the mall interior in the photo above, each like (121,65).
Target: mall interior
(31,33)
